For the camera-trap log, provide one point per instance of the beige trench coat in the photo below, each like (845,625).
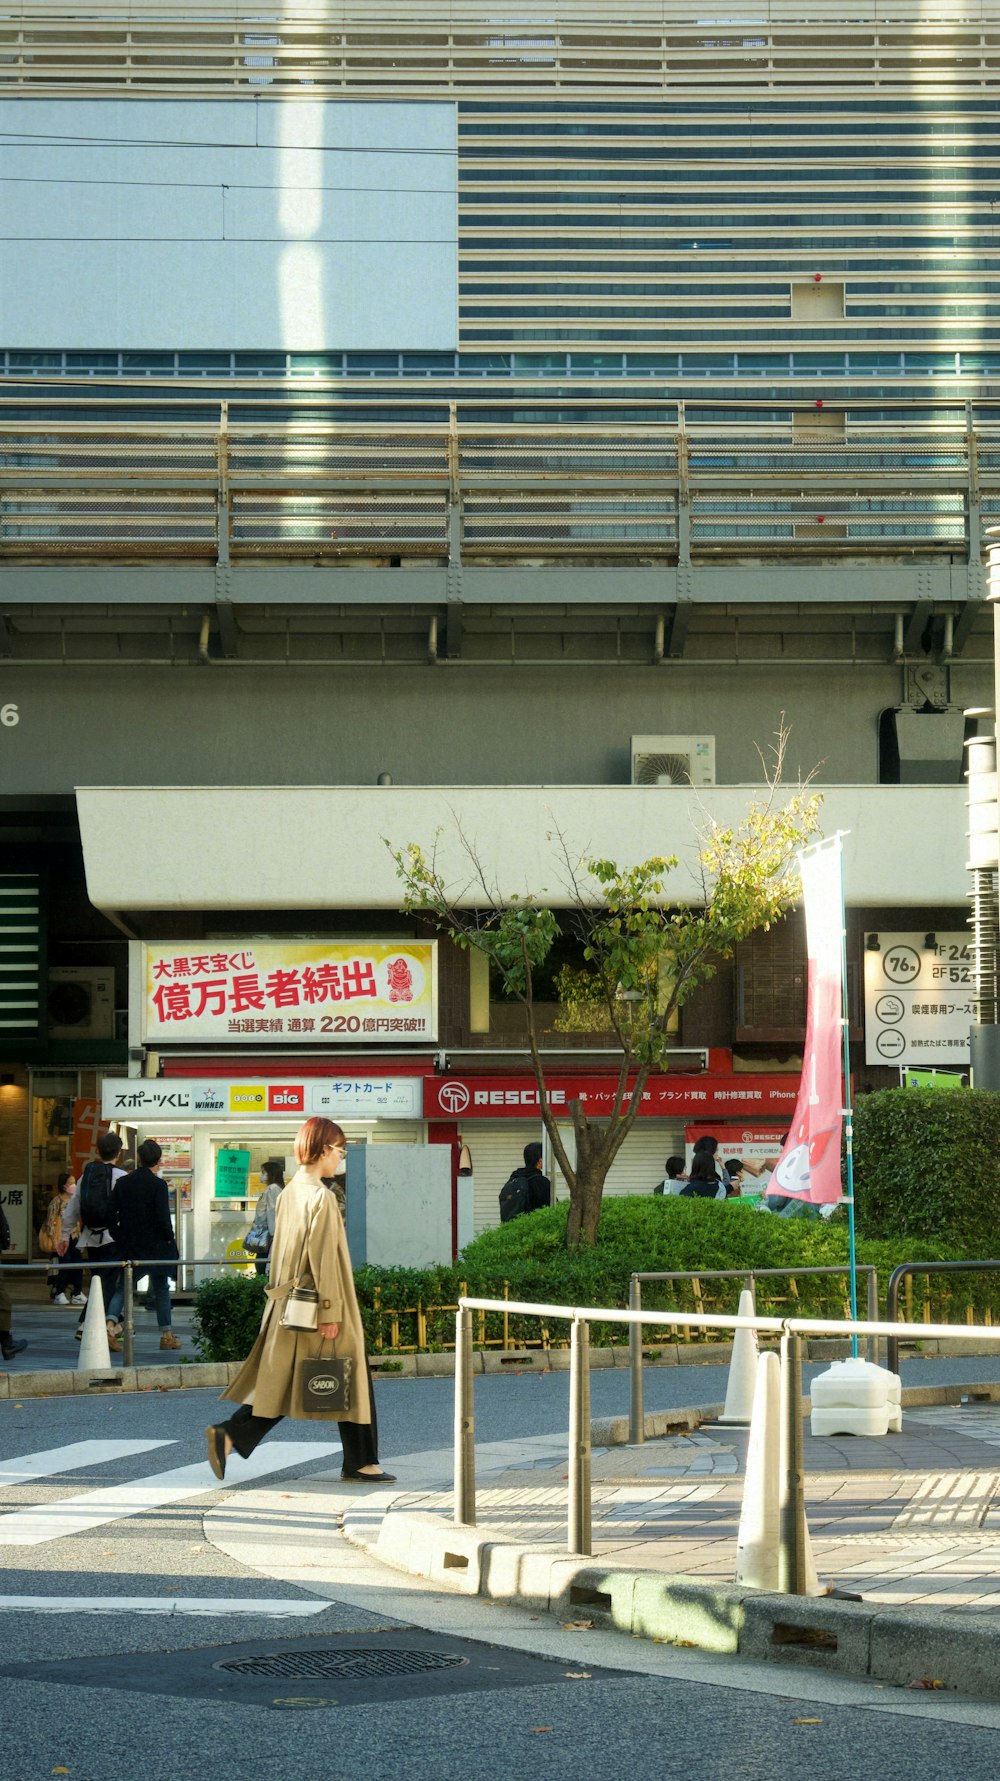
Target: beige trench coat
(267,1378)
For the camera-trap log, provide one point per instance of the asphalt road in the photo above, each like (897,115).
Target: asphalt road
(130,1696)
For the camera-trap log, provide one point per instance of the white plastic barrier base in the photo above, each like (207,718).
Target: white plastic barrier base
(842,1421)
(853,1397)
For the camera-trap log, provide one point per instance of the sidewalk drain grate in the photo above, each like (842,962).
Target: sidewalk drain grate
(345,1665)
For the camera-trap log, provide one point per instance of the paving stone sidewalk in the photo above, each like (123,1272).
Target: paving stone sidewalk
(912,1518)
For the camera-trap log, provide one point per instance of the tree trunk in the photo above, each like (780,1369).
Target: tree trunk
(585,1206)
(586,1190)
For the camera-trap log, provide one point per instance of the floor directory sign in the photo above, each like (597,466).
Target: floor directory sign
(919,998)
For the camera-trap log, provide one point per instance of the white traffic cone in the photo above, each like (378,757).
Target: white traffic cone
(742,1380)
(760,1516)
(757,1541)
(95,1355)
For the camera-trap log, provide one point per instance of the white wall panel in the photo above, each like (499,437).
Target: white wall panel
(903,844)
(228,226)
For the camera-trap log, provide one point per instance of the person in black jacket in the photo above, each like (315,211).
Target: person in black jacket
(527,1189)
(142,1228)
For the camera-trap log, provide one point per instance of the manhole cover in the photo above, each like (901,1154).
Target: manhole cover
(343,1664)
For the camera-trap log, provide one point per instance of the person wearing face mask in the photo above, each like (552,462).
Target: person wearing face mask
(309,1242)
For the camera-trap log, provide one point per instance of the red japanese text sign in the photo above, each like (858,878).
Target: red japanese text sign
(303,992)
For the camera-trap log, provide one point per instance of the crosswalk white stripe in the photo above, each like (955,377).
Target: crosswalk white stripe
(71,1459)
(275,1607)
(75,1515)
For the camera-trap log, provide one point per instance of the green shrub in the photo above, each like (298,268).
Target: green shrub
(227,1314)
(927,1164)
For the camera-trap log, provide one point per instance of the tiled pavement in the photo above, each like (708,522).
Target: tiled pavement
(912,1518)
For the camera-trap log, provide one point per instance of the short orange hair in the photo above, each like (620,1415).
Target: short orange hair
(314,1137)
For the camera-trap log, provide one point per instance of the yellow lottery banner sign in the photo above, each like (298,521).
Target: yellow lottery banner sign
(310,992)
(238,1257)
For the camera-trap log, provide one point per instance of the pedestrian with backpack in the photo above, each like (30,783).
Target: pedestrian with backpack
(90,1209)
(527,1189)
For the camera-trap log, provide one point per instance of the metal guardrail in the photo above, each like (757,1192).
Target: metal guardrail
(636,1417)
(905,1271)
(792,1526)
(228,491)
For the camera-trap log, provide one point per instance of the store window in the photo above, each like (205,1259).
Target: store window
(564,1011)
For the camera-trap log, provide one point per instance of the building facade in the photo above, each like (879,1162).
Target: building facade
(415,412)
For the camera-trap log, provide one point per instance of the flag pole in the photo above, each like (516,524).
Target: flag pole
(848,1109)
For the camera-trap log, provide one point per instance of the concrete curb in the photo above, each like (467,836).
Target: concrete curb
(65,1383)
(952,1648)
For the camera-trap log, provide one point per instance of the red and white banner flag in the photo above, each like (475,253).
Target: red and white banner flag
(809,1165)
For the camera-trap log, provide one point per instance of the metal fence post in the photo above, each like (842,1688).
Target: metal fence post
(792,1503)
(636,1411)
(579,1532)
(128,1317)
(873,1341)
(465,1424)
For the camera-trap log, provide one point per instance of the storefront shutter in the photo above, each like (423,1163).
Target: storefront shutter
(640,1163)
(497,1147)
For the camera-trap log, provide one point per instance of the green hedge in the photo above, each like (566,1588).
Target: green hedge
(227,1312)
(927,1164)
(640,1233)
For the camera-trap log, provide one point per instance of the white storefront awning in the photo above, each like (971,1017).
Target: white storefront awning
(150,848)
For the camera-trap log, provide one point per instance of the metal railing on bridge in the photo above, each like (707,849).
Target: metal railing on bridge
(208,488)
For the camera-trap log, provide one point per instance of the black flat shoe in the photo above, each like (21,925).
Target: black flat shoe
(367,1478)
(216,1438)
(13,1345)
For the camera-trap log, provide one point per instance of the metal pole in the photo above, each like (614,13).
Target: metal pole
(465,1424)
(848,1109)
(873,1341)
(892,1315)
(128,1317)
(636,1411)
(579,1536)
(792,1505)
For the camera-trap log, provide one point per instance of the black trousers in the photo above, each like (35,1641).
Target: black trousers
(69,1276)
(359,1439)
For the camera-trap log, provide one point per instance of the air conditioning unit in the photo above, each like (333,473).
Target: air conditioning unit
(673,760)
(81,1002)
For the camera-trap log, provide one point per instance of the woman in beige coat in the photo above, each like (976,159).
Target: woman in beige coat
(309,1239)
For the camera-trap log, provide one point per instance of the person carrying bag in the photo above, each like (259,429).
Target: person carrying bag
(311,1304)
(322,1384)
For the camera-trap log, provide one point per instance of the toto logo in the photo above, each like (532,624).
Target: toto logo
(453,1096)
